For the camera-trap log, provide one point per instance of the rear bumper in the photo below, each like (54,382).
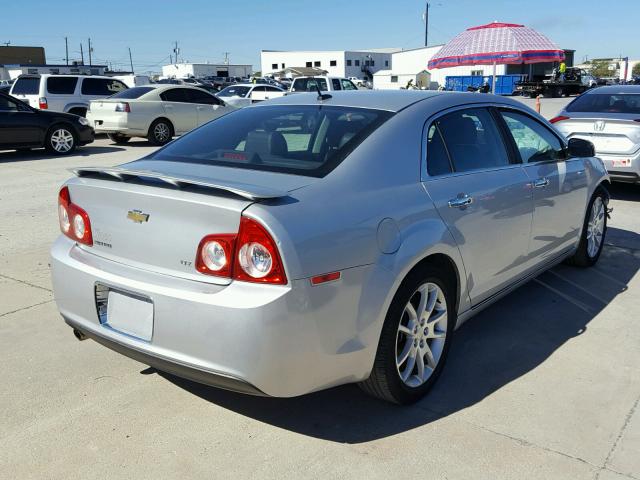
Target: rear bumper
(126,124)
(622,168)
(259,339)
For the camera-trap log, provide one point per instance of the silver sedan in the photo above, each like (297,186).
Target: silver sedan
(318,240)
(609,117)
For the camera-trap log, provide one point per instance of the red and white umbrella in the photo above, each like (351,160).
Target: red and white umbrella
(497,43)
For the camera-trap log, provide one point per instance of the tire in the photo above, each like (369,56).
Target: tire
(60,140)
(385,381)
(118,138)
(160,132)
(589,249)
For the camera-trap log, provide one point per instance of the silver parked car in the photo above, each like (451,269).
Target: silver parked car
(313,241)
(609,117)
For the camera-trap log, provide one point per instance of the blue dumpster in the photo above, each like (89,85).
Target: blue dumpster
(505,84)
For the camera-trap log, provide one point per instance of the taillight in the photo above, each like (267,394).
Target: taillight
(74,221)
(123,107)
(249,256)
(42,103)
(559,118)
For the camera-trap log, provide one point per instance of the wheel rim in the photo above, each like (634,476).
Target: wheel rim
(595,227)
(62,140)
(421,335)
(161,132)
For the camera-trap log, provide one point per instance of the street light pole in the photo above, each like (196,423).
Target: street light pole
(426,25)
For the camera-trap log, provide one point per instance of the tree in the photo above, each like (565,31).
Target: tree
(601,69)
(635,71)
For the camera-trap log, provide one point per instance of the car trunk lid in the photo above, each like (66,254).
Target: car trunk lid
(155,220)
(609,134)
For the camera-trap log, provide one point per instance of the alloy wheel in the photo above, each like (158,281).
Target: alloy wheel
(595,227)
(62,140)
(421,335)
(161,132)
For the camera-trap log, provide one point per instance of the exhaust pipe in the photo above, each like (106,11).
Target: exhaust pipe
(79,335)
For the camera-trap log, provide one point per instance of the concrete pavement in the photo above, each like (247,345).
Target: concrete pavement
(544,384)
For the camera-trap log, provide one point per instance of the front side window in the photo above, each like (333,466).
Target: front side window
(472,140)
(7,105)
(306,140)
(62,85)
(535,142)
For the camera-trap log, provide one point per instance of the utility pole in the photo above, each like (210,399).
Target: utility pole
(130,60)
(176,50)
(81,54)
(226,58)
(426,25)
(90,50)
(66,49)
(170,59)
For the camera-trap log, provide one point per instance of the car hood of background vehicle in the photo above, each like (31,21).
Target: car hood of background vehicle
(223,175)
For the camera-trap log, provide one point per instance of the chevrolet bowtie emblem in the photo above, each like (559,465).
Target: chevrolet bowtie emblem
(137,216)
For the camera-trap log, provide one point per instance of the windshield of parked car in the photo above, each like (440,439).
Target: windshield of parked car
(304,140)
(135,92)
(606,103)
(309,84)
(234,91)
(26,86)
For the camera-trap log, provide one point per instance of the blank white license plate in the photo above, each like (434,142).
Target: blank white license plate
(130,315)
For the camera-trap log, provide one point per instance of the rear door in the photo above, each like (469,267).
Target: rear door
(179,110)
(60,93)
(482,196)
(559,185)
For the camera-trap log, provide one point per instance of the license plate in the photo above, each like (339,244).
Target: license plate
(130,315)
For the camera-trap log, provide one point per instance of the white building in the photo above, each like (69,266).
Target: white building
(390,80)
(185,70)
(338,63)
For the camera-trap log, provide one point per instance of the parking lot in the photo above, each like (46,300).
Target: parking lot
(543,384)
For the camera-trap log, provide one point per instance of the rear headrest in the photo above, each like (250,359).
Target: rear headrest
(266,143)
(459,130)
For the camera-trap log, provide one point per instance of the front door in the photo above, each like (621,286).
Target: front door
(482,197)
(559,186)
(18,124)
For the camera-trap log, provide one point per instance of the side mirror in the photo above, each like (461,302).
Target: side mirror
(579,147)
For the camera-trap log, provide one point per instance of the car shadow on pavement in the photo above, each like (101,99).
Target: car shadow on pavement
(506,341)
(11,156)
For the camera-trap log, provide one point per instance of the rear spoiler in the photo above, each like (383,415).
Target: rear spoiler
(251,192)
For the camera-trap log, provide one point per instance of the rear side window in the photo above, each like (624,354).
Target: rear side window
(303,140)
(438,162)
(309,84)
(62,85)
(135,92)
(102,86)
(175,95)
(26,86)
(471,139)
(335,83)
(534,141)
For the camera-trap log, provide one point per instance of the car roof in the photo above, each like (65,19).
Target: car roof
(319,76)
(610,89)
(390,100)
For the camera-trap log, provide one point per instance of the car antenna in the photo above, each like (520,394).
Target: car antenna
(321,96)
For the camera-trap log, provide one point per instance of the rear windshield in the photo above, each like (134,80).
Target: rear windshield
(26,86)
(309,84)
(303,140)
(606,103)
(135,92)
(234,92)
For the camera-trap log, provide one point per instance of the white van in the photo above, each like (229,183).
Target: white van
(64,93)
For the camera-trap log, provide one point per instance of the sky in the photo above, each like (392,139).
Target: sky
(205,30)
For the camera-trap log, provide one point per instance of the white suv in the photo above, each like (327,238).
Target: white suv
(326,84)
(64,93)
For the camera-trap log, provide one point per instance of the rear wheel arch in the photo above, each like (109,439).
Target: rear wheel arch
(164,119)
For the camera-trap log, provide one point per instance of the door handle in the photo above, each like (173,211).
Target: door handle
(461,201)
(541,182)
